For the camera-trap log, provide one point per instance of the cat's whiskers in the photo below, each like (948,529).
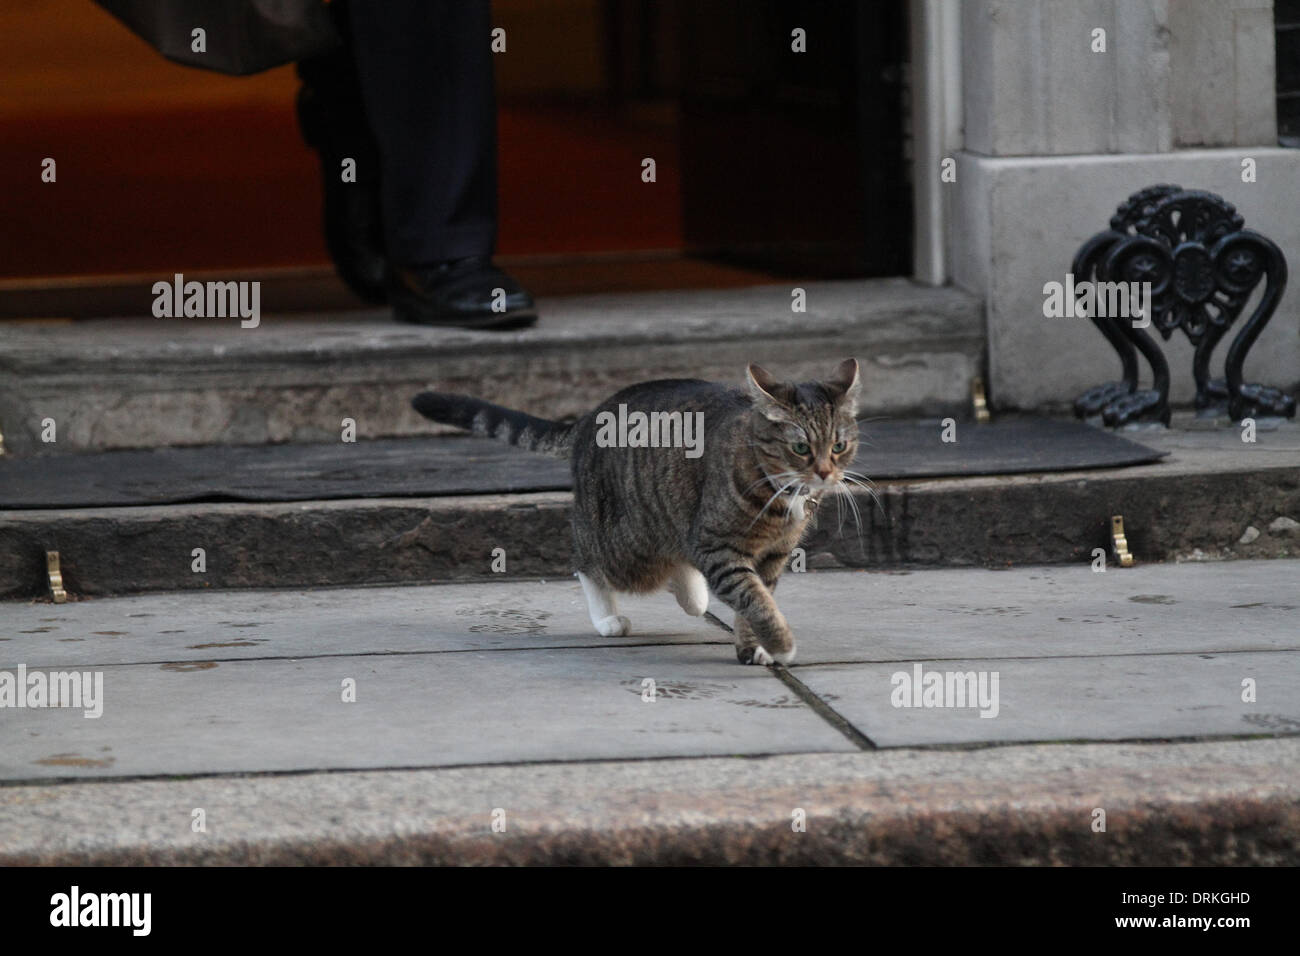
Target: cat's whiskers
(776,494)
(865,483)
(773,478)
(845,493)
(839,509)
(853,505)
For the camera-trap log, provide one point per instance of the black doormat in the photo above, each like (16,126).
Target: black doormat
(424,467)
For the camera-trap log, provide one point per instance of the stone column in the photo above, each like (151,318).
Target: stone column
(1071,105)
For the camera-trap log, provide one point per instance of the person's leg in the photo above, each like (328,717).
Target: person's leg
(425,68)
(333,121)
(426,77)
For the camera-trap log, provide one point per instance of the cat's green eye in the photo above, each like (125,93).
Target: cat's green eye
(838,448)
(800,448)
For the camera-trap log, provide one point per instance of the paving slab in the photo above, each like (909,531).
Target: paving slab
(1151,697)
(1069,611)
(415,711)
(509,671)
(235,625)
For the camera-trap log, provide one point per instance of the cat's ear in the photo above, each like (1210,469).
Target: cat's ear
(847,382)
(771,397)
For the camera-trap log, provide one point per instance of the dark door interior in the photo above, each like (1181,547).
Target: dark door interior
(772,163)
(794,162)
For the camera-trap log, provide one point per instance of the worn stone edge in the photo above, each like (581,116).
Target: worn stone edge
(959,522)
(949,808)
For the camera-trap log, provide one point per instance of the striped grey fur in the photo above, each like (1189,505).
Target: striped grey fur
(647,519)
(492,421)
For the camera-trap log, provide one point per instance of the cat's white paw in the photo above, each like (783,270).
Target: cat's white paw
(758,655)
(613,626)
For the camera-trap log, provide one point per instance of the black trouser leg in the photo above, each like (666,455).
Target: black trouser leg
(333,120)
(425,68)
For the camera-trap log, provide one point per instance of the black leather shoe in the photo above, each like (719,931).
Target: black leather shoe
(468,293)
(336,128)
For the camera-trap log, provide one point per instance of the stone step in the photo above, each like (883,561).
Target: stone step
(1215,803)
(143,383)
(1213,496)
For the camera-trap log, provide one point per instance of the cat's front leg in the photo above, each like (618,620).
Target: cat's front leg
(760,625)
(748,650)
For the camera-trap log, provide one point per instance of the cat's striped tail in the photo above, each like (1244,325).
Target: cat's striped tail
(492,421)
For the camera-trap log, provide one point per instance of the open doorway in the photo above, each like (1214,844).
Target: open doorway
(775,158)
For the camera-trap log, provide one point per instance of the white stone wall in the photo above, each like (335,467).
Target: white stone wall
(1025,217)
(1057,135)
(1032,85)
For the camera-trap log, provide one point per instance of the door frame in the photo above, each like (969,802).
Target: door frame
(936,68)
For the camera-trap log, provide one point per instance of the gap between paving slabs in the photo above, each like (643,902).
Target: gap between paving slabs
(801,690)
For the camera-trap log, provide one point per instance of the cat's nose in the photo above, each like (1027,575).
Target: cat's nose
(822,471)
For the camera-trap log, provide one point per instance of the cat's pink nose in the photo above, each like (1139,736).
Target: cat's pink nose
(823,471)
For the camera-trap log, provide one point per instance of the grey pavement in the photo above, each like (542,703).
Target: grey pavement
(248,625)
(511,671)
(507,677)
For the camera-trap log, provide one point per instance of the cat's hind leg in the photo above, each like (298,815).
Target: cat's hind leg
(603,609)
(691,590)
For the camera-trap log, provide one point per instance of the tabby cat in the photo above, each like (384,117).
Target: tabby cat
(722,515)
